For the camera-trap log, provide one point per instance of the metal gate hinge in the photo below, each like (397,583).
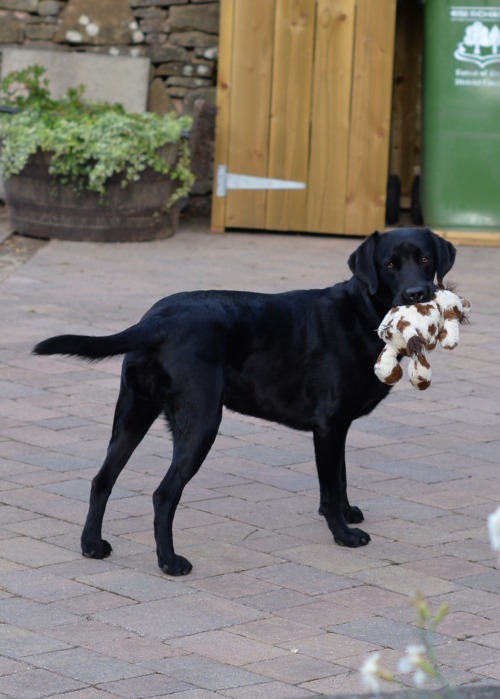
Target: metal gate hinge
(229,180)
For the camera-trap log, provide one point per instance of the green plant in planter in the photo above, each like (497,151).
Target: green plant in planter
(88,142)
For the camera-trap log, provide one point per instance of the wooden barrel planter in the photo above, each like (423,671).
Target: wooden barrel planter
(42,207)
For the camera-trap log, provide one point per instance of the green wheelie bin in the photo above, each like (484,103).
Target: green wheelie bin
(460,183)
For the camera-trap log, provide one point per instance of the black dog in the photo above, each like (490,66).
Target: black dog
(302,358)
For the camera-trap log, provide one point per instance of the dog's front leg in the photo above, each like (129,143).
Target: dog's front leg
(329,449)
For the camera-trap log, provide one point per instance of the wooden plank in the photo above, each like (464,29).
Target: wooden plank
(224,84)
(474,238)
(330,116)
(291,111)
(370,123)
(250,106)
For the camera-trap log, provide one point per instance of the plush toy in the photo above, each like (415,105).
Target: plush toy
(413,331)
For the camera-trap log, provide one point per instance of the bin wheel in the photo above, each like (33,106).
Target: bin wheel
(393,201)
(416,208)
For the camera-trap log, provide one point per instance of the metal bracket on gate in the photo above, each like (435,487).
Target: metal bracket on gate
(229,180)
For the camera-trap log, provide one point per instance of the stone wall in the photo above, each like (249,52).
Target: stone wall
(179,36)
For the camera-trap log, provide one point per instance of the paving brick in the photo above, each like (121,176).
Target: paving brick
(266,690)
(331,558)
(17,642)
(205,672)
(462,625)
(276,630)
(33,684)
(276,599)
(320,613)
(446,567)
(90,693)
(233,585)
(86,666)
(32,615)
(466,655)
(153,685)
(295,668)
(302,578)
(228,648)
(87,633)
(382,632)
(190,613)
(136,585)
(41,586)
(33,553)
(331,647)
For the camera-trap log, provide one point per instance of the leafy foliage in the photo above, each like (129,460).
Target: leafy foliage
(89,142)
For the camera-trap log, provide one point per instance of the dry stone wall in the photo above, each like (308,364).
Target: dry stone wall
(180,37)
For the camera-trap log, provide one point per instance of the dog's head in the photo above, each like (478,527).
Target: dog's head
(403,266)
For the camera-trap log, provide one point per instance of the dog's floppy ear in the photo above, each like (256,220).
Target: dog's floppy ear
(362,262)
(445,255)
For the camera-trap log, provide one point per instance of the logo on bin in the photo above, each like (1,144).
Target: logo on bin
(480,45)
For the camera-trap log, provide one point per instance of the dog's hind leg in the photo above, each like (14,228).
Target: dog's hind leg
(352,514)
(329,450)
(194,429)
(133,418)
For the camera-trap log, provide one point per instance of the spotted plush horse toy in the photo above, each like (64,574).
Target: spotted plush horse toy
(413,331)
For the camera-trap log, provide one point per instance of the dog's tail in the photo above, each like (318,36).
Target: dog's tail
(93,348)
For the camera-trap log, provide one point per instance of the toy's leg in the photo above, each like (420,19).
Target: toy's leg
(419,371)
(387,367)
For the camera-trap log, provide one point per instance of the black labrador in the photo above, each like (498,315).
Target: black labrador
(301,358)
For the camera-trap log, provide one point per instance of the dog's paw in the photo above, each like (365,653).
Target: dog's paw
(178,565)
(352,538)
(353,515)
(101,549)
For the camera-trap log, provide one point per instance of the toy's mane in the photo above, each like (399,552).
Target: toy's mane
(451,286)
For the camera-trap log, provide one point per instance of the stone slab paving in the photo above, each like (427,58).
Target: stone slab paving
(272,608)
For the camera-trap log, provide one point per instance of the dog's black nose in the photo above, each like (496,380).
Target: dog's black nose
(414,294)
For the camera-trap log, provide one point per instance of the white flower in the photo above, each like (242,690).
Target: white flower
(414,661)
(494,529)
(84,20)
(137,36)
(370,672)
(419,678)
(413,658)
(133,26)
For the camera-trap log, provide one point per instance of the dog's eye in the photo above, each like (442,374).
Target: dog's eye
(425,260)
(390,265)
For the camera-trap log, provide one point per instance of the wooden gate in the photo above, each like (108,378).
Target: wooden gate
(304,93)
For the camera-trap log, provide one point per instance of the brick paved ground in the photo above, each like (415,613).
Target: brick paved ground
(273,608)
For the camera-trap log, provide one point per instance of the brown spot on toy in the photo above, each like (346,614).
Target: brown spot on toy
(451,313)
(402,324)
(423,361)
(422,385)
(423,308)
(394,376)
